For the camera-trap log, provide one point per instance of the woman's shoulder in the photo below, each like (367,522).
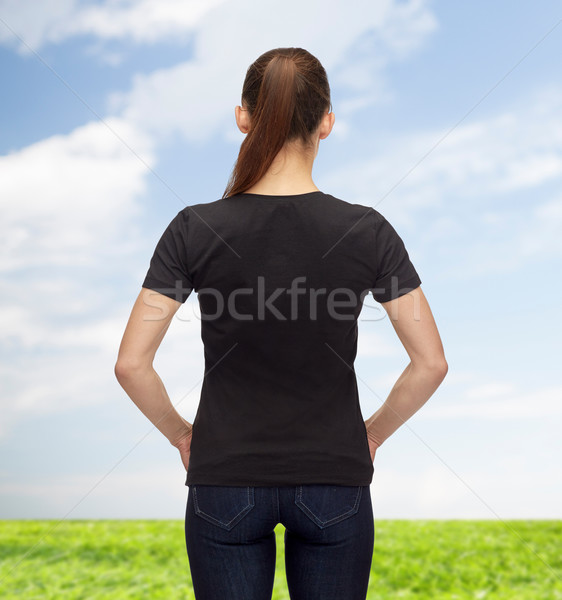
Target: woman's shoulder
(348,206)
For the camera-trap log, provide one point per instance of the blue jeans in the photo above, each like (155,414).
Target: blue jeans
(230,541)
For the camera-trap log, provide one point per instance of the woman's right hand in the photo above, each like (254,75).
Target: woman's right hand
(372,448)
(373,444)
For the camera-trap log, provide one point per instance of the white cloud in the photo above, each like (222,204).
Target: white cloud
(541,236)
(435,492)
(60,361)
(477,195)
(35,22)
(519,237)
(476,161)
(65,201)
(71,209)
(490,390)
(496,401)
(66,197)
(53,382)
(101,495)
(142,21)
(71,367)
(371,343)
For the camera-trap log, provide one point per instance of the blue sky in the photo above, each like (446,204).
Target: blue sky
(117,114)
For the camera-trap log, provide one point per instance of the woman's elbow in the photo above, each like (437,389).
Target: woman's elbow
(121,370)
(125,368)
(436,367)
(440,368)
(443,368)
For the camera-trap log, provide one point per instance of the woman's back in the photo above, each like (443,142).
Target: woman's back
(280,282)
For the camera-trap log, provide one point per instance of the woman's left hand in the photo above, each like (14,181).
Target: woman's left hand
(184,446)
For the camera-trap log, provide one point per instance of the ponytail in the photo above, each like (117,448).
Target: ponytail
(286,91)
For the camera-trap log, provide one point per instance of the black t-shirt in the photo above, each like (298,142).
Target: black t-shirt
(280,283)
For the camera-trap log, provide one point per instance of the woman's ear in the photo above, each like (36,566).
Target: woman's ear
(326,125)
(242,119)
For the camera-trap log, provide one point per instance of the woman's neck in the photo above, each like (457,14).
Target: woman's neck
(287,188)
(289,174)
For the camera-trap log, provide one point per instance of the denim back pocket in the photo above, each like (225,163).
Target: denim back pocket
(328,504)
(224,506)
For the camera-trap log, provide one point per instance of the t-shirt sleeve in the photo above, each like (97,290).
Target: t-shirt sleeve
(168,273)
(395,273)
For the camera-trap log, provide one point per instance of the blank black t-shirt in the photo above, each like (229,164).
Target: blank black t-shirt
(280,282)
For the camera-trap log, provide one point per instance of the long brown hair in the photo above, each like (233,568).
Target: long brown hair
(286,93)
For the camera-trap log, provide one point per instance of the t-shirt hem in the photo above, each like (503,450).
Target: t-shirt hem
(405,287)
(166,290)
(328,480)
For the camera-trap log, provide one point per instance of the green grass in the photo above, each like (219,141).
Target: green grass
(437,560)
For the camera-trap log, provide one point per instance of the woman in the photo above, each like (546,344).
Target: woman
(281,270)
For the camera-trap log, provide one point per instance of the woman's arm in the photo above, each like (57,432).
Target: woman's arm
(150,318)
(413,322)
